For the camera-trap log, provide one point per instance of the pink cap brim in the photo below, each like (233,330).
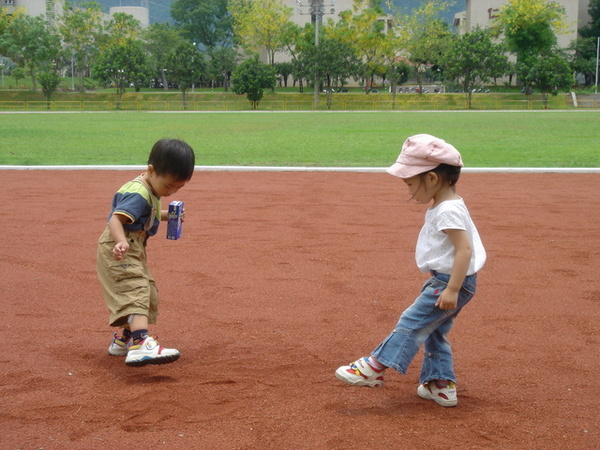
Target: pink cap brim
(407,171)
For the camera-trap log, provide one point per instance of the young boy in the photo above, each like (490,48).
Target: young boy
(129,289)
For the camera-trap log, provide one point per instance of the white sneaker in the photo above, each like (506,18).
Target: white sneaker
(441,394)
(117,347)
(360,373)
(150,352)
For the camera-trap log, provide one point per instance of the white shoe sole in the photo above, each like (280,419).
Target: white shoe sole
(145,360)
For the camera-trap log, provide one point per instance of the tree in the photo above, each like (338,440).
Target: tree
(18,74)
(31,42)
(397,69)
(80,29)
(583,57)
(49,81)
(592,29)
(291,36)
(204,21)
(423,35)
(6,19)
(285,69)
(584,48)
(260,24)
(121,66)
(160,40)
(222,63)
(251,78)
(530,26)
(366,34)
(333,61)
(121,29)
(186,67)
(473,59)
(549,72)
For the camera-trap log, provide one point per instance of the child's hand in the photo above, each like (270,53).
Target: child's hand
(182,215)
(120,249)
(447,300)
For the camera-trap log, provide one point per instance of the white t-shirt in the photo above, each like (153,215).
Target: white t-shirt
(434,248)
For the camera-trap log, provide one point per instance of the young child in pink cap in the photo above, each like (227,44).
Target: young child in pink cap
(450,249)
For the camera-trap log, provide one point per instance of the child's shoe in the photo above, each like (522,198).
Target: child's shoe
(442,394)
(360,373)
(118,347)
(149,351)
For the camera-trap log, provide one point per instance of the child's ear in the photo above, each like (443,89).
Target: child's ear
(432,177)
(150,169)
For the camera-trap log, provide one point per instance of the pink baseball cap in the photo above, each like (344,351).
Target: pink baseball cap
(422,153)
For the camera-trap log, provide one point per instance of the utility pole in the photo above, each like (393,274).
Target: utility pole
(316,9)
(597,55)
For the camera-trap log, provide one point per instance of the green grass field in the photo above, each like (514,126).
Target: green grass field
(350,139)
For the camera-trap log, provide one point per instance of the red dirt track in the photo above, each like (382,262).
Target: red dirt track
(279,279)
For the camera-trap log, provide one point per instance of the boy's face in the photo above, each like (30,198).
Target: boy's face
(163,185)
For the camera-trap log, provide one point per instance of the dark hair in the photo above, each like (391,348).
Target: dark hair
(173,157)
(449,174)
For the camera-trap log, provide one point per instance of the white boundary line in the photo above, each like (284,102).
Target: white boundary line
(313,169)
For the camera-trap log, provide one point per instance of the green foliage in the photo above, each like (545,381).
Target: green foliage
(122,65)
(400,72)
(31,42)
(204,21)
(529,26)
(592,30)
(260,24)
(548,72)
(160,40)
(222,63)
(423,34)
(285,69)
(186,67)
(365,35)
(81,30)
(18,73)
(583,58)
(473,59)
(332,61)
(49,81)
(251,78)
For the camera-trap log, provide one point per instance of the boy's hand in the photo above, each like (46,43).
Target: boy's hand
(120,249)
(447,300)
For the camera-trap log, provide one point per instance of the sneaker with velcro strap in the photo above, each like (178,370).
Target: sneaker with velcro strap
(360,373)
(441,392)
(149,351)
(118,346)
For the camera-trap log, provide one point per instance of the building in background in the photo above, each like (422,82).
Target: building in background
(482,12)
(51,9)
(139,13)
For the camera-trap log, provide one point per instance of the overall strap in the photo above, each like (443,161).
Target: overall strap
(153,202)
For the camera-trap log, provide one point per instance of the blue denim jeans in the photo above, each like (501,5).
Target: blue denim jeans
(423,323)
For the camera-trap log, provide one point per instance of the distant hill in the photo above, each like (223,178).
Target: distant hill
(160,10)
